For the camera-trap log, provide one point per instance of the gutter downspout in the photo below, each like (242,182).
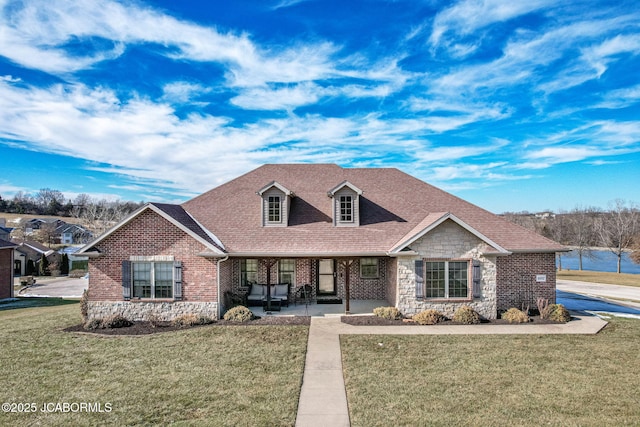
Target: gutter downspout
(220,261)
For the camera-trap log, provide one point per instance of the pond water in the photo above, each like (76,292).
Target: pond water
(598,261)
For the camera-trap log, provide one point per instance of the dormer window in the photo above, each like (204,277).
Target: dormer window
(346,205)
(276,202)
(274,215)
(346,209)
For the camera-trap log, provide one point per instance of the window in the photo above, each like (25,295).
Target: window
(274,209)
(152,279)
(286,271)
(248,271)
(346,209)
(446,279)
(369,268)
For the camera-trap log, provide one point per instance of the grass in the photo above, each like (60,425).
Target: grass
(600,277)
(34,302)
(212,375)
(495,380)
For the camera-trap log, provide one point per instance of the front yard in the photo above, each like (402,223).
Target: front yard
(495,380)
(212,375)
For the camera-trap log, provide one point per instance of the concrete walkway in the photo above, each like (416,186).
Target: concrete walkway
(323,399)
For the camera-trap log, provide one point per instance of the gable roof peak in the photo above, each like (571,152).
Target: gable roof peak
(340,186)
(279,186)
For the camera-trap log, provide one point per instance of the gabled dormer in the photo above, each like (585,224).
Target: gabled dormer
(276,203)
(346,205)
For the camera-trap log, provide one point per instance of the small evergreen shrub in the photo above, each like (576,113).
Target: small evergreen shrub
(429,317)
(154,320)
(116,321)
(238,313)
(513,315)
(188,320)
(556,313)
(466,315)
(84,305)
(390,313)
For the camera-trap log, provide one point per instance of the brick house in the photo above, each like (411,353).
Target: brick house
(352,234)
(6,269)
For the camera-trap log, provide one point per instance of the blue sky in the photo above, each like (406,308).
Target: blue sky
(512,105)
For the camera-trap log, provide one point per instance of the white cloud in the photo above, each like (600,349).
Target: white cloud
(468,16)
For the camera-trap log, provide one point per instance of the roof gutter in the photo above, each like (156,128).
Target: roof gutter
(307,254)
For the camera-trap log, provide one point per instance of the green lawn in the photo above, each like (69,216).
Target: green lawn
(600,277)
(213,375)
(495,380)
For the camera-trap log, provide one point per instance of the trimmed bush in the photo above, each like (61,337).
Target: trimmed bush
(556,313)
(188,320)
(513,315)
(390,313)
(111,322)
(238,313)
(429,317)
(466,315)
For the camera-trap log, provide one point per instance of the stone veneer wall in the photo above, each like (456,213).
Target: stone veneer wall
(137,311)
(448,241)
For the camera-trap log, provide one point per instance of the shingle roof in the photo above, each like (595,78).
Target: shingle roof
(393,204)
(4,244)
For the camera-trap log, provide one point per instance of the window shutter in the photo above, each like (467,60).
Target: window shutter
(419,273)
(177,280)
(126,280)
(477,289)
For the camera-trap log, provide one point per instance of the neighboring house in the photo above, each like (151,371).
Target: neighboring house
(350,233)
(38,223)
(30,250)
(72,234)
(6,269)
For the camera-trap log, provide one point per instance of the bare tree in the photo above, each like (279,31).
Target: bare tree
(618,227)
(583,234)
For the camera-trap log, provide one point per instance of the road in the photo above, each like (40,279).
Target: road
(586,296)
(62,287)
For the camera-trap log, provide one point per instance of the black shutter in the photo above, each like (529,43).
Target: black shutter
(477,289)
(177,280)
(126,280)
(419,273)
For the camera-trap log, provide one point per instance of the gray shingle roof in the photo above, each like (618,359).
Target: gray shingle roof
(392,205)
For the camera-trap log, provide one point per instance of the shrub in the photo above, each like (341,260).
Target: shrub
(513,315)
(390,313)
(93,324)
(191,319)
(76,274)
(466,315)
(154,320)
(113,321)
(84,305)
(116,321)
(239,313)
(428,317)
(556,313)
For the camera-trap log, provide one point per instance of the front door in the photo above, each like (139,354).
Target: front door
(326,277)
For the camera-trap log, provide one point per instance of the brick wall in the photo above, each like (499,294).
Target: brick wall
(149,234)
(516,279)
(6,273)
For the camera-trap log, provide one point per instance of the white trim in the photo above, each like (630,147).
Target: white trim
(279,186)
(338,187)
(403,244)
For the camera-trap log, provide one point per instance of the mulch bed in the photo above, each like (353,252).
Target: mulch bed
(380,321)
(146,328)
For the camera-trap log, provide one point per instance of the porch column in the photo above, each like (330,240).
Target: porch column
(269,262)
(347,281)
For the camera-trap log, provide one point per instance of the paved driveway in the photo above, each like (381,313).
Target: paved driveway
(61,288)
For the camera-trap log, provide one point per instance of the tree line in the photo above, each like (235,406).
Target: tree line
(98,215)
(616,228)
